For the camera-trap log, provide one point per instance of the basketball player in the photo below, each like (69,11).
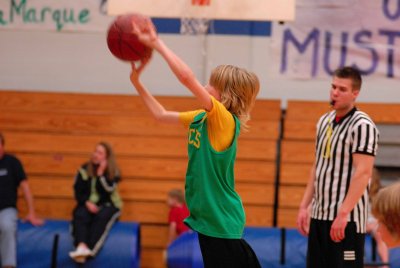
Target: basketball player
(216,210)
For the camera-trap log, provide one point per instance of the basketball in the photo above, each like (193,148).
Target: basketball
(122,42)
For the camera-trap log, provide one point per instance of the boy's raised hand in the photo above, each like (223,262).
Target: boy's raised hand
(146,34)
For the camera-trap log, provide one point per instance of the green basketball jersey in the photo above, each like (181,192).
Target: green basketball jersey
(215,208)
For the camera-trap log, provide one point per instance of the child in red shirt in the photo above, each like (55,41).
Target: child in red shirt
(178,212)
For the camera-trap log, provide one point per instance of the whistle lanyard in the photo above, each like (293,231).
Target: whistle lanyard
(328,140)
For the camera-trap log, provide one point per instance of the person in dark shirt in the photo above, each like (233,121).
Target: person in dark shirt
(12,176)
(98,202)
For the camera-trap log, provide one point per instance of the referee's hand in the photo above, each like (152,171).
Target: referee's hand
(338,228)
(303,221)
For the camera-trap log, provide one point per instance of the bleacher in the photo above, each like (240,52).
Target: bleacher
(54,133)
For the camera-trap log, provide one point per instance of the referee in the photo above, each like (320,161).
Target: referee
(345,149)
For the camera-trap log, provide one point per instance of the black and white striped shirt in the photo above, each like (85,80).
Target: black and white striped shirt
(335,145)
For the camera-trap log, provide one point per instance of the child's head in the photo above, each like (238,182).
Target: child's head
(175,197)
(238,89)
(386,209)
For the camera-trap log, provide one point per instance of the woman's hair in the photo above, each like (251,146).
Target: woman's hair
(375,183)
(238,88)
(177,194)
(386,208)
(2,140)
(112,170)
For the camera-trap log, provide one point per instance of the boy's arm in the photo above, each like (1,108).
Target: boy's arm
(157,110)
(171,233)
(184,74)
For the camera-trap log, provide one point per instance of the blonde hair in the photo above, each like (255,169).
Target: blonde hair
(238,88)
(178,195)
(386,208)
(112,170)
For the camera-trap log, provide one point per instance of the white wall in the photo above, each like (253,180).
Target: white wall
(81,62)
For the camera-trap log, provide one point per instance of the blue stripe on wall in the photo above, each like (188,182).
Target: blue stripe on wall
(167,26)
(229,27)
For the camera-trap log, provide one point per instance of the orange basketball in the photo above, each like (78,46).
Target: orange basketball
(123,43)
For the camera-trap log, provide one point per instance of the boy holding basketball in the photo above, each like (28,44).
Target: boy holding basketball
(216,210)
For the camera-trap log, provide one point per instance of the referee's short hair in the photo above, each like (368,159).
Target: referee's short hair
(2,141)
(351,73)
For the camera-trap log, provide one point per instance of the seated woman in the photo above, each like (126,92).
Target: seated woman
(98,202)
(386,209)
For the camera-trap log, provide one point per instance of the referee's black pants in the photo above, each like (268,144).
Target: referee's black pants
(92,229)
(323,252)
(227,253)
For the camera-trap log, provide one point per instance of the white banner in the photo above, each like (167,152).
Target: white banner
(328,34)
(58,15)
